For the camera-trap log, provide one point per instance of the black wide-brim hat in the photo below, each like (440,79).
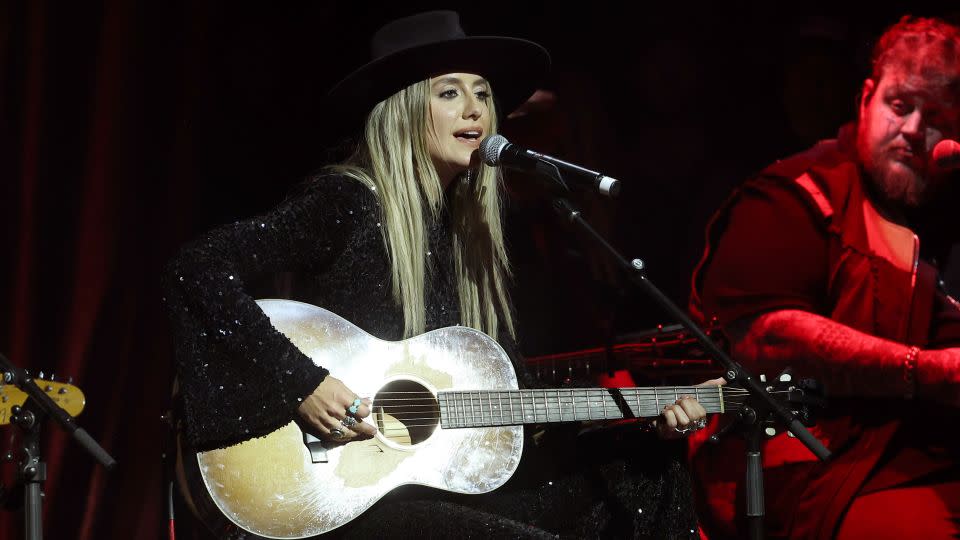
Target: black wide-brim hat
(414,48)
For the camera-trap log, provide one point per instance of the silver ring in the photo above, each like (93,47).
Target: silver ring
(348,421)
(693,426)
(336,433)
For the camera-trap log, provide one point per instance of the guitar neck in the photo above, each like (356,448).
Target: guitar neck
(482,408)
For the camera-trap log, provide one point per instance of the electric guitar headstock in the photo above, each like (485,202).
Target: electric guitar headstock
(67,396)
(660,351)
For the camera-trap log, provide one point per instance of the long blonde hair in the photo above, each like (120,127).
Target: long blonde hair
(393,159)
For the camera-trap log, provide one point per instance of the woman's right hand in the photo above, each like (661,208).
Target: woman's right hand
(326,410)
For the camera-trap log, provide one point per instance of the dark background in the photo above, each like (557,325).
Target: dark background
(127,128)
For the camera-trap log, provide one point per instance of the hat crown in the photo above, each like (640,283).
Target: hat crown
(414,31)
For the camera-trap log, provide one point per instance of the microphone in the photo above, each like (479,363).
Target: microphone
(497,151)
(946,155)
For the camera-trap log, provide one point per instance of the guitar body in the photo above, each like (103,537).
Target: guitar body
(279,486)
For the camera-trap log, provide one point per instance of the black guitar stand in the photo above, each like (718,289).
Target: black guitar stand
(31,470)
(760,404)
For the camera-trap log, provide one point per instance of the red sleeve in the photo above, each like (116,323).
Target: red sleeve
(771,255)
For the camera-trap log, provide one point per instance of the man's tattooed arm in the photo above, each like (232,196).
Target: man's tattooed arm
(849,362)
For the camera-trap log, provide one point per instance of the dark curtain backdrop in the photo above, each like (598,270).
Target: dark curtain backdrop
(129,127)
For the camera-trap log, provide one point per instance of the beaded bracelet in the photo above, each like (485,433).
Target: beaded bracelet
(909,368)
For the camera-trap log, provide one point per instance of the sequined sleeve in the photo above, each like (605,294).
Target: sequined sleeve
(238,376)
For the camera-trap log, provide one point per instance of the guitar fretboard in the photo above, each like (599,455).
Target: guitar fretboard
(479,408)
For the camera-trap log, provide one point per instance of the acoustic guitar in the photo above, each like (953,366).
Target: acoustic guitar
(448,414)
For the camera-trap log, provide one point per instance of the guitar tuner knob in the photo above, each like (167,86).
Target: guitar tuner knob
(785,377)
(40,376)
(770,431)
(763,377)
(69,380)
(790,434)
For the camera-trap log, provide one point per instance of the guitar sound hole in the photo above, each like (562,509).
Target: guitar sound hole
(406,412)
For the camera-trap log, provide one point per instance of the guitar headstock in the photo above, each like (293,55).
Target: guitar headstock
(804,397)
(67,396)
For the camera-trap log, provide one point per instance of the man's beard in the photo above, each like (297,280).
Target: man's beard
(899,186)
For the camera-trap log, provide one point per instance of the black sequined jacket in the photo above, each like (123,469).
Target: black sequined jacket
(240,378)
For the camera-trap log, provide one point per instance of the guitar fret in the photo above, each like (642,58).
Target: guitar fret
(443,420)
(500,402)
(473,410)
(451,411)
(518,407)
(451,414)
(523,410)
(480,404)
(454,413)
(559,406)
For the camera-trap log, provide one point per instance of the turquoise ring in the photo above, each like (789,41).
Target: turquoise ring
(355,407)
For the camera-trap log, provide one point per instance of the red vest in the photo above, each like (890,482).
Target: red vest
(869,289)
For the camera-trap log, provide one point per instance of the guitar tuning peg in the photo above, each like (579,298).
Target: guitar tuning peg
(790,434)
(770,431)
(40,376)
(53,377)
(763,377)
(69,380)
(785,377)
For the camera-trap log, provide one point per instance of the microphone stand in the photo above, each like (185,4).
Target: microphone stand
(758,407)
(31,471)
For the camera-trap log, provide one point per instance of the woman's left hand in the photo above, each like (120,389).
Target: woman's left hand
(685,416)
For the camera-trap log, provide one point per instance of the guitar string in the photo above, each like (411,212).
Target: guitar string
(659,389)
(566,405)
(574,392)
(536,410)
(552,395)
(537,414)
(407,427)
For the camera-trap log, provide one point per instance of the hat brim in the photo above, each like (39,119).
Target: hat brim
(514,67)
